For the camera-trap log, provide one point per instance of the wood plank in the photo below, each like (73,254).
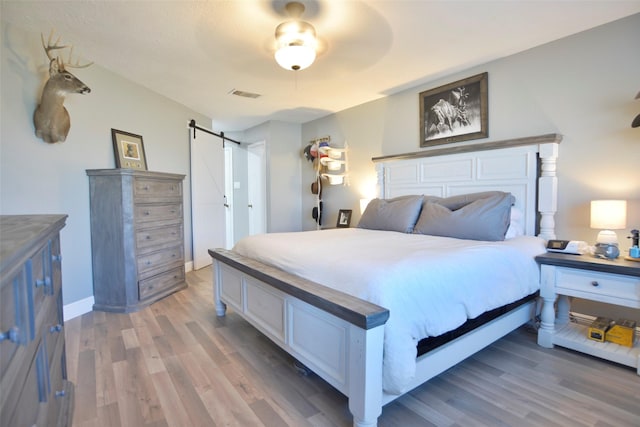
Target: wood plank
(470,148)
(86,405)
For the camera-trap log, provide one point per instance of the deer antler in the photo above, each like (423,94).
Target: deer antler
(48,47)
(77,64)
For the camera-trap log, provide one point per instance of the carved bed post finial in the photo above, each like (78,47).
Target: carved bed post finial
(548,189)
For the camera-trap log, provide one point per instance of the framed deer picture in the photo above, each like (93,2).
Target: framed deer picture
(129,150)
(455,112)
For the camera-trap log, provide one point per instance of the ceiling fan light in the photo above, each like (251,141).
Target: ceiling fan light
(295,40)
(295,57)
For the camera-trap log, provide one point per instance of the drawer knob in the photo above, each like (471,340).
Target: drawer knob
(147,213)
(46,282)
(55,328)
(148,237)
(595,283)
(12,335)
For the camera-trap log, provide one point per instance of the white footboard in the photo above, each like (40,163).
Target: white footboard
(337,336)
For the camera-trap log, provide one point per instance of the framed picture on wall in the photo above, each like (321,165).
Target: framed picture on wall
(344,218)
(129,150)
(454,112)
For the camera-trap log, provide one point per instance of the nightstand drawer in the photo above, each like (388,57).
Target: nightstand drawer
(605,287)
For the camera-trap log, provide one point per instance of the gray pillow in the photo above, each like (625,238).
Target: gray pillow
(456,202)
(399,214)
(486,218)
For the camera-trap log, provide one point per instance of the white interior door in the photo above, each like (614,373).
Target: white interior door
(257,187)
(207,197)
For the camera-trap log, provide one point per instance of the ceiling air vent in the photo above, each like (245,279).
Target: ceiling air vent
(244,94)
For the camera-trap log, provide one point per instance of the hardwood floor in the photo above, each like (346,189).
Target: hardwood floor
(176,364)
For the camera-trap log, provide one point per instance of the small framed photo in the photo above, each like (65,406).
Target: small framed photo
(129,150)
(344,218)
(455,112)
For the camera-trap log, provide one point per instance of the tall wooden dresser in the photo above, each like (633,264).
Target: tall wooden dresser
(137,237)
(34,389)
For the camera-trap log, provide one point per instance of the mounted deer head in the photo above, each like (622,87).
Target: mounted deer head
(51,119)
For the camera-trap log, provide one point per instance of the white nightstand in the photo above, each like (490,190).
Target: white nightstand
(582,276)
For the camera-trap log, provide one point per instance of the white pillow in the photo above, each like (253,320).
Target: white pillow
(516,226)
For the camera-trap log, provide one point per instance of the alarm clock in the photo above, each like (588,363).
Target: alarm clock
(576,247)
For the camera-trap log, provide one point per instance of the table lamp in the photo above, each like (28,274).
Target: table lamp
(608,215)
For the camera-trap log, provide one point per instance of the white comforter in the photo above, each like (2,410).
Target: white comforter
(430,285)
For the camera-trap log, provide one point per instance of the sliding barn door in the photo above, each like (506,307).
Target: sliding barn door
(207,197)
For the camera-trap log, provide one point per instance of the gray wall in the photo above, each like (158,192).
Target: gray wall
(283,174)
(37,177)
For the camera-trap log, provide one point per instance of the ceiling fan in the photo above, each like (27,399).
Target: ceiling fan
(335,37)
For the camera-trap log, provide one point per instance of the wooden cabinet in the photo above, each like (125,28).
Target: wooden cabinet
(581,276)
(137,237)
(34,389)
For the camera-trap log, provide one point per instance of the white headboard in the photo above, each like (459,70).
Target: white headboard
(524,167)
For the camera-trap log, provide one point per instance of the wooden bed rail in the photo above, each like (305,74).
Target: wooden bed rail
(360,313)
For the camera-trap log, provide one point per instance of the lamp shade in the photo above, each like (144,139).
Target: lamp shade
(295,57)
(609,214)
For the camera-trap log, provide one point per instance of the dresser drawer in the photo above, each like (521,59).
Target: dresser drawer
(157,284)
(159,259)
(53,327)
(155,188)
(158,212)
(159,236)
(56,265)
(605,287)
(14,319)
(25,410)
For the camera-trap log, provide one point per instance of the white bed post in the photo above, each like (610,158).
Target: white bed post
(221,308)
(365,375)
(548,189)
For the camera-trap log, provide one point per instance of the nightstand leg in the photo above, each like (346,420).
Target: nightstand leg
(562,318)
(547,324)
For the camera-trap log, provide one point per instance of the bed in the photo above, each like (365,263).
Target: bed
(342,331)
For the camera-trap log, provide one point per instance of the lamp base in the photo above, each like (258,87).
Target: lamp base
(607,237)
(606,250)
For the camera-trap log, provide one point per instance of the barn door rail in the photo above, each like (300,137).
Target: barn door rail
(192,124)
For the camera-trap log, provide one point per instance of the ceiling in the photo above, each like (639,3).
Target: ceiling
(197,52)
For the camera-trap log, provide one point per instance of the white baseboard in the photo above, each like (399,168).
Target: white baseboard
(77,308)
